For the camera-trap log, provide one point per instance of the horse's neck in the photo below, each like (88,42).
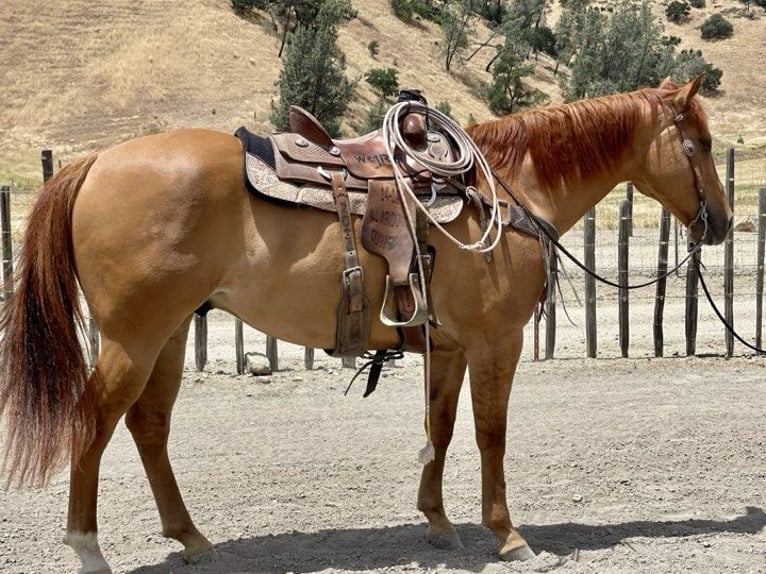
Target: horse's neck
(560,192)
(563,206)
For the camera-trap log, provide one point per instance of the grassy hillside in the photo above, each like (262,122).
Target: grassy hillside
(83,75)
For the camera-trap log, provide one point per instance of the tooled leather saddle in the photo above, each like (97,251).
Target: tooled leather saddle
(354,176)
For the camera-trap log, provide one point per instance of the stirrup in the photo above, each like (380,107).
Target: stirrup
(391,307)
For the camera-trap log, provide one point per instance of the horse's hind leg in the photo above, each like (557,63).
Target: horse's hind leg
(120,378)
(149,422)
(447,372)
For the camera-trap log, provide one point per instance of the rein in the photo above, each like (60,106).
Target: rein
(720,316)
(543,230)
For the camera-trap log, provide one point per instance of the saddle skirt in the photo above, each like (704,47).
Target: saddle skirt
(443,206)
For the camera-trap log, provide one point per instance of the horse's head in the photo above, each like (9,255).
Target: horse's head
(678,168)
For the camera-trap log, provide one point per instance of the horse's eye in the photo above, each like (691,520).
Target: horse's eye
(689,149)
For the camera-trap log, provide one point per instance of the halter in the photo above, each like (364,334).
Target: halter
(690,152)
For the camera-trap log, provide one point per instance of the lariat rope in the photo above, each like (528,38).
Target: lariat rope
(468,155)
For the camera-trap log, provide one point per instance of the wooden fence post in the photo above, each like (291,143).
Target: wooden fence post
(692,288)
(308,358)
(7,241)
(629,197)
(622,267)
(589,241)
(46,156)
(272,352)
(239,345)
(200,342)
(728,277)
(662,269)
(550,310)
(759,266)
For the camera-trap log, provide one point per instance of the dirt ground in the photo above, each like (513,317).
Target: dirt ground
(613,465)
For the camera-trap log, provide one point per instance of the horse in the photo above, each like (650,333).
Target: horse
(153,228)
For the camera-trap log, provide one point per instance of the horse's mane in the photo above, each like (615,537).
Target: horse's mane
(572,140)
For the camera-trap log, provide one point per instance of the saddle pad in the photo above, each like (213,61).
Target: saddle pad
(263,178)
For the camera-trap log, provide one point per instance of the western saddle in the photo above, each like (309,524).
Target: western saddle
(356,176)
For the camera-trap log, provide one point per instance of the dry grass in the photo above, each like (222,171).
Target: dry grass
(87,75)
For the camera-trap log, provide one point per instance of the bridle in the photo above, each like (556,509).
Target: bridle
(690,152)
(694,247)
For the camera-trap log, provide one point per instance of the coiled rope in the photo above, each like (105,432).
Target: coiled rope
(468,155)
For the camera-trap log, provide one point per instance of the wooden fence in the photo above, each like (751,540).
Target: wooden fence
(550,316)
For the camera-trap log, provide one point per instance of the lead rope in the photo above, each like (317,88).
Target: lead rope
(468,156)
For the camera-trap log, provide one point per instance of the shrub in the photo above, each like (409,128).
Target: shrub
(385,81)
(373,48)
(691,63)
(245,6)
(677,11)
(406,10)
(697,3)
(716,27)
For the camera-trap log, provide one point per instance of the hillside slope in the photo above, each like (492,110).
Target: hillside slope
(86,75)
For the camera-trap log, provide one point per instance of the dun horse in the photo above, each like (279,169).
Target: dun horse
(155,227)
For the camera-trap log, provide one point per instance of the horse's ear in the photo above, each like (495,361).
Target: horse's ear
(667,83)
(687,92)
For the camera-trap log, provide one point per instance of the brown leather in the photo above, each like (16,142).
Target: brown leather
(414,131)
(385,231)
(353,313)
(305,124)
(298,156)
(362,164)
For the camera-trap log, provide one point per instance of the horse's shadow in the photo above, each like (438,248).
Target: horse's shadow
(373,548)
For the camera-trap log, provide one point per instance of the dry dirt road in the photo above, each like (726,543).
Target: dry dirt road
(614,465)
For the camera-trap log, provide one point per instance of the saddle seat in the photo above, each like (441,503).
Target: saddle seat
(308,154)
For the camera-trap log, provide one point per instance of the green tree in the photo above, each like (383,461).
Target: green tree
(373,119)
(507,92)
(385,81)
(292,14)
(407,10)
(456,30)
(623,52)
(716,27)
(313,73)
(690,64)
(246,6)
(587,27)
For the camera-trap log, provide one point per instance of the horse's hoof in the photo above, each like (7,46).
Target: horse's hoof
(521,552)
(206,556)
(445,540)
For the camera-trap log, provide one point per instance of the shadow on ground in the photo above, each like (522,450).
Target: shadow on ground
(386,547)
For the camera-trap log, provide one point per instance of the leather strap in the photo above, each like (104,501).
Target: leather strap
(353,310)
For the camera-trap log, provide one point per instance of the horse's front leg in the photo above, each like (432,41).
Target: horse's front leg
(492,366)
(447,372)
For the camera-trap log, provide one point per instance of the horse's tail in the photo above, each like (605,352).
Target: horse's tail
(46,406)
